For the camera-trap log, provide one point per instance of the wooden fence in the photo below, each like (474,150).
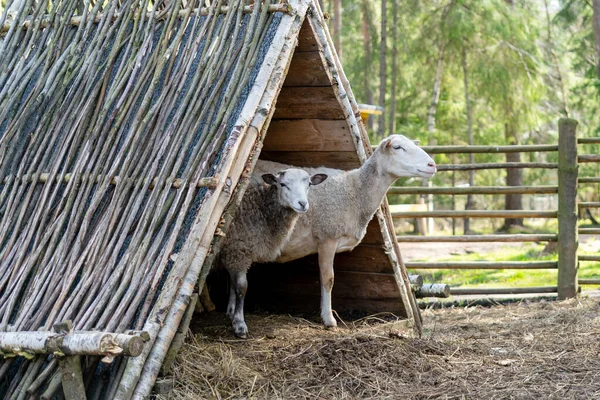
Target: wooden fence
(567,212)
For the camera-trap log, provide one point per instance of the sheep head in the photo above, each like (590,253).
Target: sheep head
(403,157)
(292,187)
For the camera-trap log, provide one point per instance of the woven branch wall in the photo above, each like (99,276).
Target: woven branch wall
(108,124)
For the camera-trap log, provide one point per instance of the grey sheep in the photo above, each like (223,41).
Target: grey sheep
(260,228)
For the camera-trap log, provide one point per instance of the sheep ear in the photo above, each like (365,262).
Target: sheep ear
(416,142)
(317,178)
(270,179)
(386,144)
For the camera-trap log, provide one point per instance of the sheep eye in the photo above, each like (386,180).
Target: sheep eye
(283,185)
(399,147)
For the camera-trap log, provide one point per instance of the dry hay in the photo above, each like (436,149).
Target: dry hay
(545,350)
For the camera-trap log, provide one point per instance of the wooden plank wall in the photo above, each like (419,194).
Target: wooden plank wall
(309,128)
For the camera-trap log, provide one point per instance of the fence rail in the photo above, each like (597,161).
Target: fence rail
(520,290)
(504,165)
(483,265)
(588,258)
(481,238)
(568,179)
(589,180)
(475,214)
(589,231)
(549,189)
(589,281)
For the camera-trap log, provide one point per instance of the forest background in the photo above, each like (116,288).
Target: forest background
(482,72)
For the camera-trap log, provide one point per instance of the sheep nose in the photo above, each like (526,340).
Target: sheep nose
(302,204)
(431,164)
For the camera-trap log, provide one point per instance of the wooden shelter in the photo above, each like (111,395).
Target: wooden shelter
(126,140)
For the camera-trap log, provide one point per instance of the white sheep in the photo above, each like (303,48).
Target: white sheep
(260,228)
(342,207)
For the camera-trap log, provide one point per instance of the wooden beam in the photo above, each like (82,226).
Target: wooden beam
(473,167)
(588,158)
(589,258)
(481,238)
(483,265)
(309,135)
(345,160)
(490,149)
(306,40)
(72,378)
(308,102)
(307,70)
(440,290)
(588,204)
(208,182)
(568,240)
(548,189)
(488,291)
(74,343)
(76,20)
(475,214)
(589,180)
(589,140)
(589,281)
(589,231)
(180,335)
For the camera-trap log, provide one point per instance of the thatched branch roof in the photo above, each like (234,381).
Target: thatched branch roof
(95,110)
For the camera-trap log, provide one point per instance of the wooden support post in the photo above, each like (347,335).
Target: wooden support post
(70,368)
(72,378)
(567,208)
(180,335)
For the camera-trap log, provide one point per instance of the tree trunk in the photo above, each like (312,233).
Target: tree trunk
(382,69)
(596,24)
(337,27)
(514,176)
(469,205)
(394,77)
(437,82)
(561,84)
(368,58)
(435,96)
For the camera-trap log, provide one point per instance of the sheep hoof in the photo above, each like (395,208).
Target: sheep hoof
(240,329)
(330,322)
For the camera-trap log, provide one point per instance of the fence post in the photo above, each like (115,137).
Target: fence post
(568,240)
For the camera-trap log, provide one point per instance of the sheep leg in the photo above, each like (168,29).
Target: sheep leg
(240,285)
(205,300)
(232,297)
(326,256)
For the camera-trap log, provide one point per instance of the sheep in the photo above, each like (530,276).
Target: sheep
(261,226)
(342,207)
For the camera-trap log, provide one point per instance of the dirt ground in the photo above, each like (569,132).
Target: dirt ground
(526,350)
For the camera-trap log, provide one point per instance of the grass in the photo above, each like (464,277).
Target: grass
(508,277)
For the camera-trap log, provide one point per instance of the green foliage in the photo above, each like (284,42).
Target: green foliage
(514,78)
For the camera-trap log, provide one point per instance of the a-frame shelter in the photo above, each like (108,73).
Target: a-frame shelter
(126,140)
